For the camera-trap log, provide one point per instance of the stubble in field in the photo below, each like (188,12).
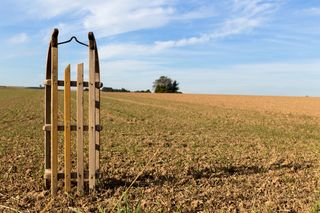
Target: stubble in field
(213,153)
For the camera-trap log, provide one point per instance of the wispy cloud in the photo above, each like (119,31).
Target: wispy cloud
(257,49)
(19,38)
(122,16)
(244,16)
(229,28)
(38,9)
(114,17)
(311,11)
(251,8)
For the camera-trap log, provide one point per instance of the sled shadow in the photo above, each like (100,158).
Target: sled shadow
(144,180)
(227,171)
(149,180)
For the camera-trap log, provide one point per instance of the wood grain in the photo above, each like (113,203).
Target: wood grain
(54,120)
(92,120)
(67,131)
(80,173)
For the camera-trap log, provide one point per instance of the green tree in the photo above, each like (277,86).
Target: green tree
(160,89)
(165,84)
(174,87)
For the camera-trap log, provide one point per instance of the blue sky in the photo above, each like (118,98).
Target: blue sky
(254,47)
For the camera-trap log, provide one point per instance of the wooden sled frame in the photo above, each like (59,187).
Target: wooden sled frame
(51,126)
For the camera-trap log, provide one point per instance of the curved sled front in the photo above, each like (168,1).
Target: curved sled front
(94,110)
(47,98)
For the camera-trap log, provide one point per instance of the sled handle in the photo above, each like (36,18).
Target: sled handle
(75,38)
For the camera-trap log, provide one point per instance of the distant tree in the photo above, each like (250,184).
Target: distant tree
(142,91)
(110,89)
(165,85)
(160,89)
(106,89)
(173,88)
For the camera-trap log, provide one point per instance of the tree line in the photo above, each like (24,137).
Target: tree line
(110,89)
(163,84)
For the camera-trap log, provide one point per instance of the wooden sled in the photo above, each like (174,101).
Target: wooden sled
(51,126)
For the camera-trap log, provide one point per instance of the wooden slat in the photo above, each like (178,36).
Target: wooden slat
(97,108)
(54,120)
(92,120)
(80,174)
(67,130)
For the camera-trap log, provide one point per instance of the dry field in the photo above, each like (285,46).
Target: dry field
(208,153)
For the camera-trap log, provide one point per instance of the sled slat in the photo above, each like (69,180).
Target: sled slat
(97,107)
(54,120)
(67,131)
(92,120)
(80,174)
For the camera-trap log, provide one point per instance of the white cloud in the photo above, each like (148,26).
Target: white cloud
(250,8)
(230,27)
(50,8)
(312,11)
(122,16)
(112,17)
(19,38)
(247,15)
(116,17)
(200,13)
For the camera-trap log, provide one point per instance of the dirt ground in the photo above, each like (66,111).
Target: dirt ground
(191,153)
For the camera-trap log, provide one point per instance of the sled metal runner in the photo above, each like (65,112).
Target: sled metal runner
(52,127)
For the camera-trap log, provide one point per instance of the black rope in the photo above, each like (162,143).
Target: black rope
(75,38)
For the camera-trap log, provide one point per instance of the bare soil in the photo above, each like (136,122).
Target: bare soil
(209,153)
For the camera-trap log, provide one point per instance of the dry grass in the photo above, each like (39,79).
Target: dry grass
(223,153)
(286,105)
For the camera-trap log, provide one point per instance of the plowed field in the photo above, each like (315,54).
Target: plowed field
(191,153)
